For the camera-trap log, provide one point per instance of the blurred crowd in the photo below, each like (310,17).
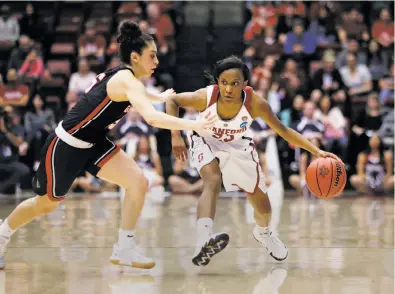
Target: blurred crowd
(326,69)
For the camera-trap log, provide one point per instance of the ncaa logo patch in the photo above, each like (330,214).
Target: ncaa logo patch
(243,124)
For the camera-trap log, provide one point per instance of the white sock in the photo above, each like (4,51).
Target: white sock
(125,237)
(5,229)
(204,226)
(264,231)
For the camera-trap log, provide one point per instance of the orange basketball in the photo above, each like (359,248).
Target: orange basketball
(326,177)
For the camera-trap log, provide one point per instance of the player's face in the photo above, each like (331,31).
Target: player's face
(147,62)
(231,84)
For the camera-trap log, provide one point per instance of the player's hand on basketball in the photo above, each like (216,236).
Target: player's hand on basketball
(322,153)
(179,149)
(206,123)
(166,95)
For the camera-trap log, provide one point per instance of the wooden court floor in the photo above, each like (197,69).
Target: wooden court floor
(342,246)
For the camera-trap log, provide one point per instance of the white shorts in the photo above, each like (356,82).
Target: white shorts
(240,167)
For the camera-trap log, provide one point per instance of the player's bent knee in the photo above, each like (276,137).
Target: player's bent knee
(139,182)
(213,182)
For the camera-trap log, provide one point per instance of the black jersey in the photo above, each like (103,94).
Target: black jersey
(89,119)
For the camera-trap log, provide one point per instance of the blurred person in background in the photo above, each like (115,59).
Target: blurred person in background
(149,162)
(383,32)
(13,92)
(298,182)
(356,77)
(185,179)
(11,139)
(32,67)
(335,126)
(9,26)
(91,45)
(81,80)
(387,88)
(39,122)
(18,54)
(374,168)
(365,124)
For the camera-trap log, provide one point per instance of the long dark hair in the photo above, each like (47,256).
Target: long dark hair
(231,62)
(131,39)
(369,149)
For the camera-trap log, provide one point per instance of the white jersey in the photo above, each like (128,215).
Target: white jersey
(229,141)
(235,132)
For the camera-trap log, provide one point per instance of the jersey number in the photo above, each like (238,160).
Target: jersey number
(227,138)
(98,79)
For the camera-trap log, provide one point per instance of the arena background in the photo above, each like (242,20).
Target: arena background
(54,50)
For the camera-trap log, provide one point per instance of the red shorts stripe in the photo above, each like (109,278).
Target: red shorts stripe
(102,162)
(92,114)
(50,172)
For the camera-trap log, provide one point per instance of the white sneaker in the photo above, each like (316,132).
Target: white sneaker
(3,245)
(130,256)
(207,247)
(273,244)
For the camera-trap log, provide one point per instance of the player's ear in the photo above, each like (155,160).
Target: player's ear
(245,83)
(134,57)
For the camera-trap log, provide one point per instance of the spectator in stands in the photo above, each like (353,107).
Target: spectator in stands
(353,23)
(92,45)
(266,45)
(383,31)
(374,168)
(11,138)
(29,23)
(386,131)
(285,21)
(38,122)
(356,77)
(129,129)
(298,182)
(308,125)
(387,88)
(149,162)
(354,48)
(9,26)
(18,54)
(328,79)
(185,179)
(299,44)
(32,67)
(377,63)
(81,80)
(115,61)
(261,133)
(335,125)
(294,81)
(366,123)
(113,48)
(291,117)
(13,92)
(323,28)
(163,27)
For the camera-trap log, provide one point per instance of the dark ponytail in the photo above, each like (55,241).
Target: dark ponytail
(131,39)
(231,62)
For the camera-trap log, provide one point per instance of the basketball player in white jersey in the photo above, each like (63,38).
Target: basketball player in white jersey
(226,154)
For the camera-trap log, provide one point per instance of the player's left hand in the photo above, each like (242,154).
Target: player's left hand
(324,154)
(166,95)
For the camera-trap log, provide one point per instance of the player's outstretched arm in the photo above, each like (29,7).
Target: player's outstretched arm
(125,87)
(260,108)
(195,100)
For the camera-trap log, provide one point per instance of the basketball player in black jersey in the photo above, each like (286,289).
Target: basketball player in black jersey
(80,143)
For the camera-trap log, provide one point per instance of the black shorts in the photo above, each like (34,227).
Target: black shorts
(61,164)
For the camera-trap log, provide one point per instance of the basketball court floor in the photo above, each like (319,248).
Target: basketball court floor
(345,245)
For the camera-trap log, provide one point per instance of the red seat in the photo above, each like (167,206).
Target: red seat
(59,67)
(63,50)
